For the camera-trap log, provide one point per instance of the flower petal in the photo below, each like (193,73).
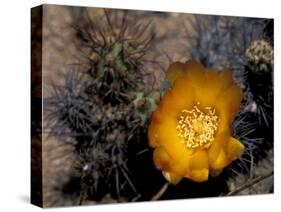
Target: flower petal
(153,129)
(171,177)
(216,152)
(174,71)
(167,137)
(196,78)
(175,100)
(183,98)
(194,74)
(206,94)
(198,160)
(214,85)
(227,105)
(161,159)
(199,175)
(180,167)
(221,161)
(234,149)
(198,169)
(226,79)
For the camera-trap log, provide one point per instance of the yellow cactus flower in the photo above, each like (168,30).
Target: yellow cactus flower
(191,128)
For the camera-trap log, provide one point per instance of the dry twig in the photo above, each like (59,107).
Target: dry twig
(250,183)
(160,193)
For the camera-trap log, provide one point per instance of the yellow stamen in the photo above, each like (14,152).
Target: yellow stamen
(197,128)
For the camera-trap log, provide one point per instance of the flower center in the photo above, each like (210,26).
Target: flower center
(197,128)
